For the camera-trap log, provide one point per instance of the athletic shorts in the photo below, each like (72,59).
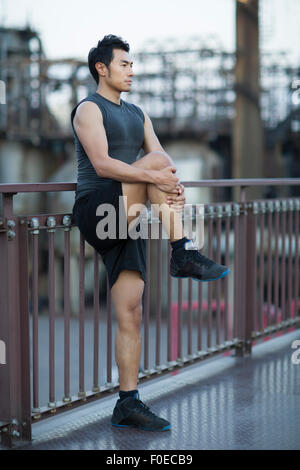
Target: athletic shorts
(117,254)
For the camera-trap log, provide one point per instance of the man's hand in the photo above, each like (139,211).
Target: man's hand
(177,202)
(166,180)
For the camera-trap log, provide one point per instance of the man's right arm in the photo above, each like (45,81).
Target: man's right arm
(88,124)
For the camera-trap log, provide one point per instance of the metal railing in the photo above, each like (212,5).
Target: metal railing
(183,322)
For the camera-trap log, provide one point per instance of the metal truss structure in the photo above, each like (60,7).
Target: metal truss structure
(187,87)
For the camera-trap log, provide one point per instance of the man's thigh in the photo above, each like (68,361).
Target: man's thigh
(135,199)
(136,193)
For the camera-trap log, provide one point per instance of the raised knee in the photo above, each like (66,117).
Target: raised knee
(160,160)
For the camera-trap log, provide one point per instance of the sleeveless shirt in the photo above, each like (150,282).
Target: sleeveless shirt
(124,127)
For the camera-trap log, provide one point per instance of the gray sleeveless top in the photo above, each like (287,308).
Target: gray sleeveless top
(124,126)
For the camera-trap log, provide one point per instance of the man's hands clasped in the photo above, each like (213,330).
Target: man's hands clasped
(177,202)
(168,182)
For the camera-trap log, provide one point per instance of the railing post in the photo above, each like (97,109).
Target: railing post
(250,275)
(15,406)
(240,282)
(246,281)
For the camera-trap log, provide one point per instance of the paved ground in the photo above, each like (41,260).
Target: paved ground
(223,403)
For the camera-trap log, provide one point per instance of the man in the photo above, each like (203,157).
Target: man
(109,133)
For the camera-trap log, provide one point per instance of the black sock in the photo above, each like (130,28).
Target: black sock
(127,393)
(179,243)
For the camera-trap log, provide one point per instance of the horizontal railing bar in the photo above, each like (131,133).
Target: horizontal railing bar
(269,330)
(244,182)
(36,187)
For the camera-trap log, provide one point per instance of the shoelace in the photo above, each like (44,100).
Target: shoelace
(202,259)
(145,409)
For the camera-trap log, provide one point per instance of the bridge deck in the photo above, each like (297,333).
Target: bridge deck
(224,403)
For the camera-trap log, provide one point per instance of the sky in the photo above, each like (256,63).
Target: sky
(69,28)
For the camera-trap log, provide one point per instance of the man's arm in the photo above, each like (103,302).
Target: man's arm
(151,142)
(88,124)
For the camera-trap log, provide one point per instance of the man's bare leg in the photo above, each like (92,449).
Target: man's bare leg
(127,291)
(141,192)
(127,294)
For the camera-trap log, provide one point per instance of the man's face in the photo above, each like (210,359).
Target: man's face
(120,73)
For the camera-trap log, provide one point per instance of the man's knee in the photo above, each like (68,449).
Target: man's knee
(154,161)
(131,318)
(160,160)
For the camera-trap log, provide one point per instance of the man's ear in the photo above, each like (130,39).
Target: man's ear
(101,68)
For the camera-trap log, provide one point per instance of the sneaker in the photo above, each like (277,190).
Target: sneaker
(186,262)
(133,413)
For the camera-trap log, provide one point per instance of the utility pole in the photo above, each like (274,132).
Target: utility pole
(248,142)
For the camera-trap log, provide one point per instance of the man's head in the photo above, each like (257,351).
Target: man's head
(110,62)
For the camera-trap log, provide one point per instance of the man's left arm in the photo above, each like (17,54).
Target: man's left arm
(151,144)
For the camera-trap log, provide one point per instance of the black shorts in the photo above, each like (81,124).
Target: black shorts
(117,254)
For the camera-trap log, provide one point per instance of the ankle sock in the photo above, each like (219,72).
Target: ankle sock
(179,243)
(127,393)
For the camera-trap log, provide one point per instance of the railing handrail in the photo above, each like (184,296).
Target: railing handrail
(14,188)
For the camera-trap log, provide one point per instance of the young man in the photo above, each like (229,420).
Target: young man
(109,133)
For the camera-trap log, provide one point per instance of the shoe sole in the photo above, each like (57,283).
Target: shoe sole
(203,280)
(166,428)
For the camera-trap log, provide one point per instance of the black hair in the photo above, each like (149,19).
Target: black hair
(104,52)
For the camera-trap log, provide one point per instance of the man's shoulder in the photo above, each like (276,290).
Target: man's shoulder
(91,98)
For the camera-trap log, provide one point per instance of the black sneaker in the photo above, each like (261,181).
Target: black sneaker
(133,413)
(190,263)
